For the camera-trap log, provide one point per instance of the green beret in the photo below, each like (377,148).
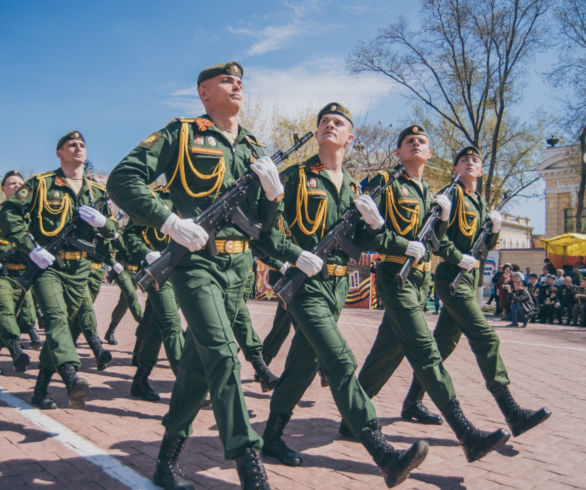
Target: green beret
(335,108)
(231,68)
(469,150)
(413,129)
(72,135)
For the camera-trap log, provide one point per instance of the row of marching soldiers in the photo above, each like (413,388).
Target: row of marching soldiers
(202,158)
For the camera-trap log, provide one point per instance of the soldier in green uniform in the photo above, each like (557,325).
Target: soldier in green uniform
(404,331)
(201,158)
(461,312)
(122,273)
(35,214)
(161,323)
(317,194)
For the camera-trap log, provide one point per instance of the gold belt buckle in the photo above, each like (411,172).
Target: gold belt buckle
(229,246)
(338,270)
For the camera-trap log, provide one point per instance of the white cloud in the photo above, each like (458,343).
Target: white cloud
(292,91)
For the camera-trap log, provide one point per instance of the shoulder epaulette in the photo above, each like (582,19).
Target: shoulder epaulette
(252,140)
(44,175)
(93,183)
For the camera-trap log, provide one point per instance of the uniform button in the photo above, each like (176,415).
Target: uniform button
(229,246)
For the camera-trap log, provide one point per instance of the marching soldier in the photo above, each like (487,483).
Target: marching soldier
(404,331)
(317,194)
(161,323)
(31,218)
(201,158)
(122,272)
(461,312)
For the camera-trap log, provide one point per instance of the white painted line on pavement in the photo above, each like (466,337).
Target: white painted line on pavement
(549,346)
(110,465)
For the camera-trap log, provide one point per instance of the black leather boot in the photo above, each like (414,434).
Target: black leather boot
(394,464)
(268,381)
(168,474)
(20,360)
(77,387)
(518,419)
(414,409)
(109,335)
(140,385)
(273,444)
(41,397)
(103,356)
(33,333)
(476,443)
(251,470)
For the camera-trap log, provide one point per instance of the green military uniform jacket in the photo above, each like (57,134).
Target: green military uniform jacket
(404,205)
(200,164)
(313,205)
(44,205)
(467,217)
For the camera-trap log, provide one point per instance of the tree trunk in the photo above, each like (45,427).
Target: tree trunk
(580,203)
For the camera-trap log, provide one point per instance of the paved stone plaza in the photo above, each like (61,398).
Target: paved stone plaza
(116,439)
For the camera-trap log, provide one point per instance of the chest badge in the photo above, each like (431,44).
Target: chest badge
(198,140)
(311,183)
(55,195)
(404,191)
(211,141)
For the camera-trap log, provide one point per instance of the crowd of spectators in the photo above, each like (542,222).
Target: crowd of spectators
(553,296)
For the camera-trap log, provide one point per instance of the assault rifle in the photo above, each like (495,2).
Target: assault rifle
(225,209)
(426,234)
(67,236)
(479,249)
(337,238)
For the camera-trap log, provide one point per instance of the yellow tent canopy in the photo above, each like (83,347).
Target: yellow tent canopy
(568,248)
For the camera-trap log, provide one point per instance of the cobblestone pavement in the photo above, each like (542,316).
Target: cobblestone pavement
(546,364)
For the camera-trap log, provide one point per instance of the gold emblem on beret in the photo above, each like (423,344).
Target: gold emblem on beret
(415,129)
(470,152)
(334,107)
(76,135)
(235,69)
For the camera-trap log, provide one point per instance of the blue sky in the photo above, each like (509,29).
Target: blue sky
(119,70)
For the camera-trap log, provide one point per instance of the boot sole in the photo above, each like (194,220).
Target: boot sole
(44,405)
(418,420)
(78,394)
(283,460)
(417,453)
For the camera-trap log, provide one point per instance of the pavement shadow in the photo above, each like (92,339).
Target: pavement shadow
(30,435)
(451,482)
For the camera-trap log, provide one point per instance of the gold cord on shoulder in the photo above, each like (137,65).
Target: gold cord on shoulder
(301,210)
(467,229)
(393,212)
(217,173)
(64,209)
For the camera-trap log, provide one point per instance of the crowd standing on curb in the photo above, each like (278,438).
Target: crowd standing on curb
(58,232)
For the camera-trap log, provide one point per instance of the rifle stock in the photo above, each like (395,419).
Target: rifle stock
(226,208)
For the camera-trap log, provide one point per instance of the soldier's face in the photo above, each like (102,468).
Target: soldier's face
(469,165)
(333,131)
(72,152)
(11,184)
(414,149)
(222,93)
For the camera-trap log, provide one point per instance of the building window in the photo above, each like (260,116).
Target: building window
(570,222)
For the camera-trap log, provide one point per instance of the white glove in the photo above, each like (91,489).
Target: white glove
(117,268)
(445,203)
(467,263)
(415,250)
(185,232)
(496,219)
(269,177)
(284,268)
(309,263)
(152,256)
(92,216)
(41,257)
(369,211)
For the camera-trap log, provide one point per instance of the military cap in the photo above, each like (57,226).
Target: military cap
(413,129)
(72,135)
(469,150)
(335,108)
(533,275)
(231,68)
